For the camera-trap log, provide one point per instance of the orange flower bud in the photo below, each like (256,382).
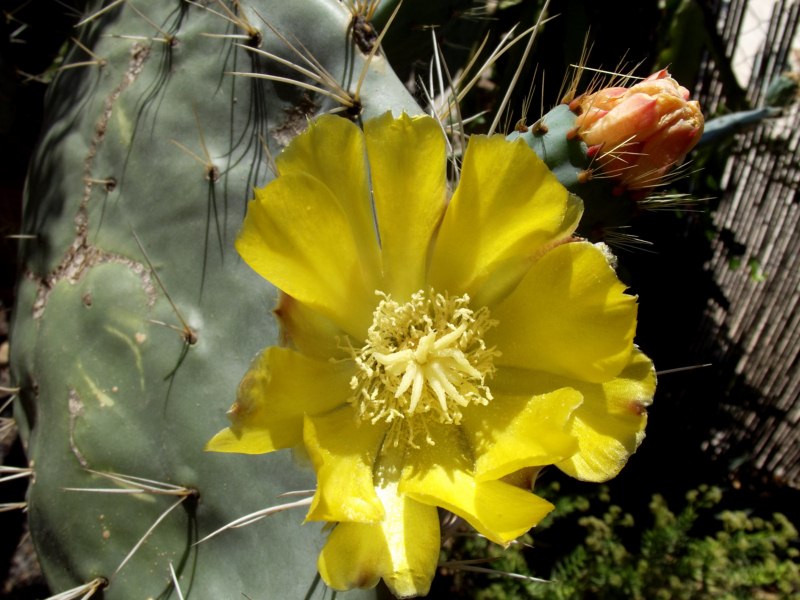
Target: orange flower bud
(639,133)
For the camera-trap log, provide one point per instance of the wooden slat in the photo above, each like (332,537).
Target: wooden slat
(757,336)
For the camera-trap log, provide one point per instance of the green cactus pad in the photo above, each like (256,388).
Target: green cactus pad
(136,319)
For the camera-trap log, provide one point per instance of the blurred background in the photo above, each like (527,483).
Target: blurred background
(693,513)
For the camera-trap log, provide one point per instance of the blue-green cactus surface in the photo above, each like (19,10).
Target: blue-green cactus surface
(136,319)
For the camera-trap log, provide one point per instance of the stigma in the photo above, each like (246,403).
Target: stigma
(423,361)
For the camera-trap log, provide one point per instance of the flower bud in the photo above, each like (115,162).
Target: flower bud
(638,134)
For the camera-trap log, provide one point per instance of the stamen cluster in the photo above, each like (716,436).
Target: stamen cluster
(423,360)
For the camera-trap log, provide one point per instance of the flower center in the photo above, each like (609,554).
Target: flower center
(423,360)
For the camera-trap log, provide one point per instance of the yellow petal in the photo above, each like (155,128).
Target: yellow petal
(508,208)
(403,549)
(279,388)
(343,454)
(568,316)
(514,432)
(308,331)
(408,167)
(610,424)
(440,475)
(332,150)
(319,263)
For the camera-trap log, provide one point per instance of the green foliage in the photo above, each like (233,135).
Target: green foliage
(686,40)
(783,90)
(756,274)
(699,553)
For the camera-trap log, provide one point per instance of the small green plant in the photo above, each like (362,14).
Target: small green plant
(696,553)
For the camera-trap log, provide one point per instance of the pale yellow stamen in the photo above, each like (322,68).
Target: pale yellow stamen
(423,360)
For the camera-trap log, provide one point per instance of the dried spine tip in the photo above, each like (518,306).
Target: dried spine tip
(255,39)
(354,110)
(212,173)
(190,336)
(364,34)
(539,128)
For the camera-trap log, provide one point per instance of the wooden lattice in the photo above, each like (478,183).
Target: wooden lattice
(755,330)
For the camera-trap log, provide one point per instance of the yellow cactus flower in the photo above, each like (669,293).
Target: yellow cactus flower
(439,350)
(639,133)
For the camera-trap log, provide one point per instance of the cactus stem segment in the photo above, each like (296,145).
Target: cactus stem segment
(86,288)
(80,258)
(138,58)
(81,255)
